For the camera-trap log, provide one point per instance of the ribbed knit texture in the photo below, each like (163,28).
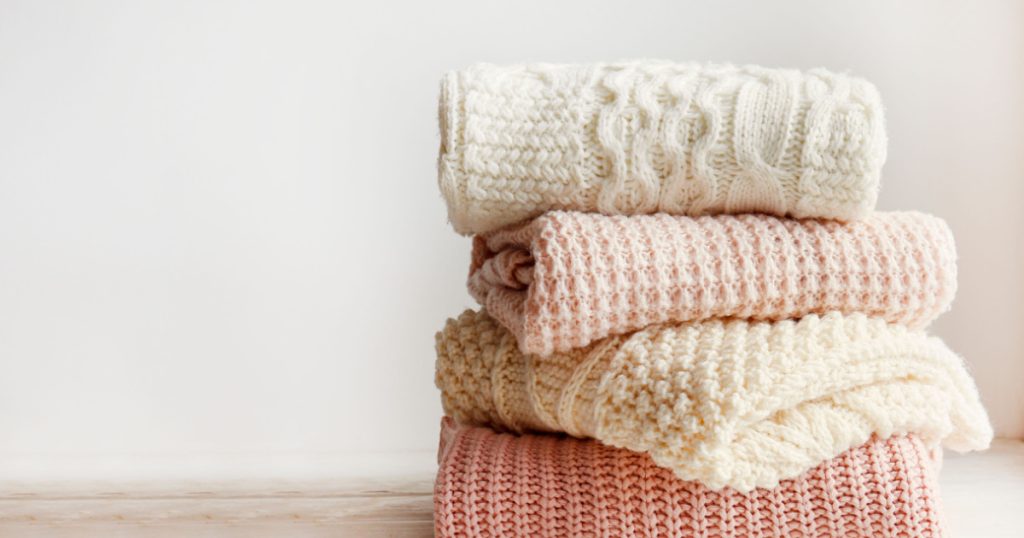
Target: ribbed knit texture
(499,485)
(724,402)
(644,137)
(566,279)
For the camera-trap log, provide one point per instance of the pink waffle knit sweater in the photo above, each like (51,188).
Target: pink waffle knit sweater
(566,279)
(536,486)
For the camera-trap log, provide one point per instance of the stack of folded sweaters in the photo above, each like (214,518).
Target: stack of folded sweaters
(694,322)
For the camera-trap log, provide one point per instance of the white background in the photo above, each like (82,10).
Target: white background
(220,229)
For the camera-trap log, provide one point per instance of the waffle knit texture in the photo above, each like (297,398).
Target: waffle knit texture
(566,279)
(645,137)
(541,486)
(723,402)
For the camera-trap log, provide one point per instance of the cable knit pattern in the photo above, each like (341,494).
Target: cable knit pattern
(499,485)
(644,137)
(723,402)
(566,279)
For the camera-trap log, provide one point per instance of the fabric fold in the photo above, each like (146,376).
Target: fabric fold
(492,484)
(566,279)
(651,136)
(728,403)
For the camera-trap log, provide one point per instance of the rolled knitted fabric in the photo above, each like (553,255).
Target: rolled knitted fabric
(644,137)
(728,403)
(566,279)
(543,486)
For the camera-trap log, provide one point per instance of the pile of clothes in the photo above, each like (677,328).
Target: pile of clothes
(693,322)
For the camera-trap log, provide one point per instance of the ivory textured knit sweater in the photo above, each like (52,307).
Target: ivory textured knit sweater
(643,137)
(724,402)
(566,279)
(541,486)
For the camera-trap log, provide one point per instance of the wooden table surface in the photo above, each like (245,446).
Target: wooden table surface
(983,497)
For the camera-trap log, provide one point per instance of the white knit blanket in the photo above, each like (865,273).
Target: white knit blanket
(723,402)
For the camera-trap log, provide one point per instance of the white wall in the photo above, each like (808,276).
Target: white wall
(220,231)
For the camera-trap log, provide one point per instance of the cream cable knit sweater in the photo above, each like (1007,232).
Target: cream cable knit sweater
(726,403)
(566,279)
(644,137)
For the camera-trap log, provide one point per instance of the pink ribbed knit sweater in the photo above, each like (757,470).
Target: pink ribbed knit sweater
(566,279)
(545,486)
